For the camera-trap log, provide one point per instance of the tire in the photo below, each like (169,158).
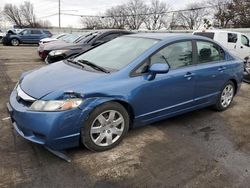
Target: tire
(226,97)
(14,42)
(101,131)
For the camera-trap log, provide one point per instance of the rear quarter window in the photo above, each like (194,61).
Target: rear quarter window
(205,34)
(47,32)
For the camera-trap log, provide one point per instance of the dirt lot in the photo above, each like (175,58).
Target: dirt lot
(199,149)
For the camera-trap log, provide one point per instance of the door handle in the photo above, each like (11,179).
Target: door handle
(222,69)
(189,75)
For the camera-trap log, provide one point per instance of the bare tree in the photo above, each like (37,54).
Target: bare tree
(23,16)
(117,16)
(136,11)
(27,12)
(13,14)
(157,19)
(91,22)
(193,17)
(222,13)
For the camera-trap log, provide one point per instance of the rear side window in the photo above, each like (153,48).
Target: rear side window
(209,52)
(176,55)
(232,37)
(205,34)
(36,32)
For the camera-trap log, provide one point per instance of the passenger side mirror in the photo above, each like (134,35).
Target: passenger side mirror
(158,68)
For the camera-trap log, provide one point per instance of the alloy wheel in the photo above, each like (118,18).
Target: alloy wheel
(14,42)
(227,95)
(107,128)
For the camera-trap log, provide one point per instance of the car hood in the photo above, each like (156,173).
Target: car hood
(48,40)
(56,77)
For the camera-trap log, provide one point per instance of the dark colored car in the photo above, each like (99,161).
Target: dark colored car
(85,43)
(26,36)
(65,41)
(131,81)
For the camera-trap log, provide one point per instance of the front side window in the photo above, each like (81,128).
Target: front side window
(209,52)
(232,37)
(117,53)
(176,55)
(25,32)
(244,40)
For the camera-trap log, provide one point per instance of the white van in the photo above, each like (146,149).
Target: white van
(237,43)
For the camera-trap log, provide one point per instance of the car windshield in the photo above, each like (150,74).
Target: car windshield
(70,38)
(118,53)
(58,36)
(86,38)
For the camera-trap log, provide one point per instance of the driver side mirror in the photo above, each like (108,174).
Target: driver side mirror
(158,68)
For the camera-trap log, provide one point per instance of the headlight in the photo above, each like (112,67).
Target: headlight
(56,105)
(57,52)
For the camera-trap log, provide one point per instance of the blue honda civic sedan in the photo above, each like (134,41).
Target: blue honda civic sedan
(96,97)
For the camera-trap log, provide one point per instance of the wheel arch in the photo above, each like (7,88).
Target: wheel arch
(122,102)
(235,85)
(16,39)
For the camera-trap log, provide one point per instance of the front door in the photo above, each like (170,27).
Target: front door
(167,93)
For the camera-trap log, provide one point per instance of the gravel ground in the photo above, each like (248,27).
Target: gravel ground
(198,149)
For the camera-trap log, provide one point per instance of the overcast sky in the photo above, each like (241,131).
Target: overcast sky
(45,8)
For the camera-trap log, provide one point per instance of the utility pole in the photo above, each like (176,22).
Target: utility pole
(59,12)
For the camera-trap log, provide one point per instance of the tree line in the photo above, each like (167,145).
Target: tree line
(158,14)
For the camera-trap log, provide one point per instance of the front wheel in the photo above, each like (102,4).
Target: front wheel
(14,42)
(105,127)
(226,96)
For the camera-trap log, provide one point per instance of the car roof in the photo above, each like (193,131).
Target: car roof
(111,31)
(166,36)
(215,31)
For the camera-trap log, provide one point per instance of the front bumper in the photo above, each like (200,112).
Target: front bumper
(56,130)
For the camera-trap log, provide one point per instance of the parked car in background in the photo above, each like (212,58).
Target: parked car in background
(2,34)
(237,43)
(52,38)
(130,81)
(26,36)
(91,40)
(70,38)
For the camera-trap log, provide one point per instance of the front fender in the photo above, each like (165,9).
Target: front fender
(91,103)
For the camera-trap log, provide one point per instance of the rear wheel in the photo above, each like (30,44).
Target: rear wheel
(105,127)
(226,96)
(14,42)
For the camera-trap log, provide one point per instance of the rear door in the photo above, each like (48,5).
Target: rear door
(210,72)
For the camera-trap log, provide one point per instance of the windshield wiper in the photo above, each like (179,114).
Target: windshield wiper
(97,67)
(75,62)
